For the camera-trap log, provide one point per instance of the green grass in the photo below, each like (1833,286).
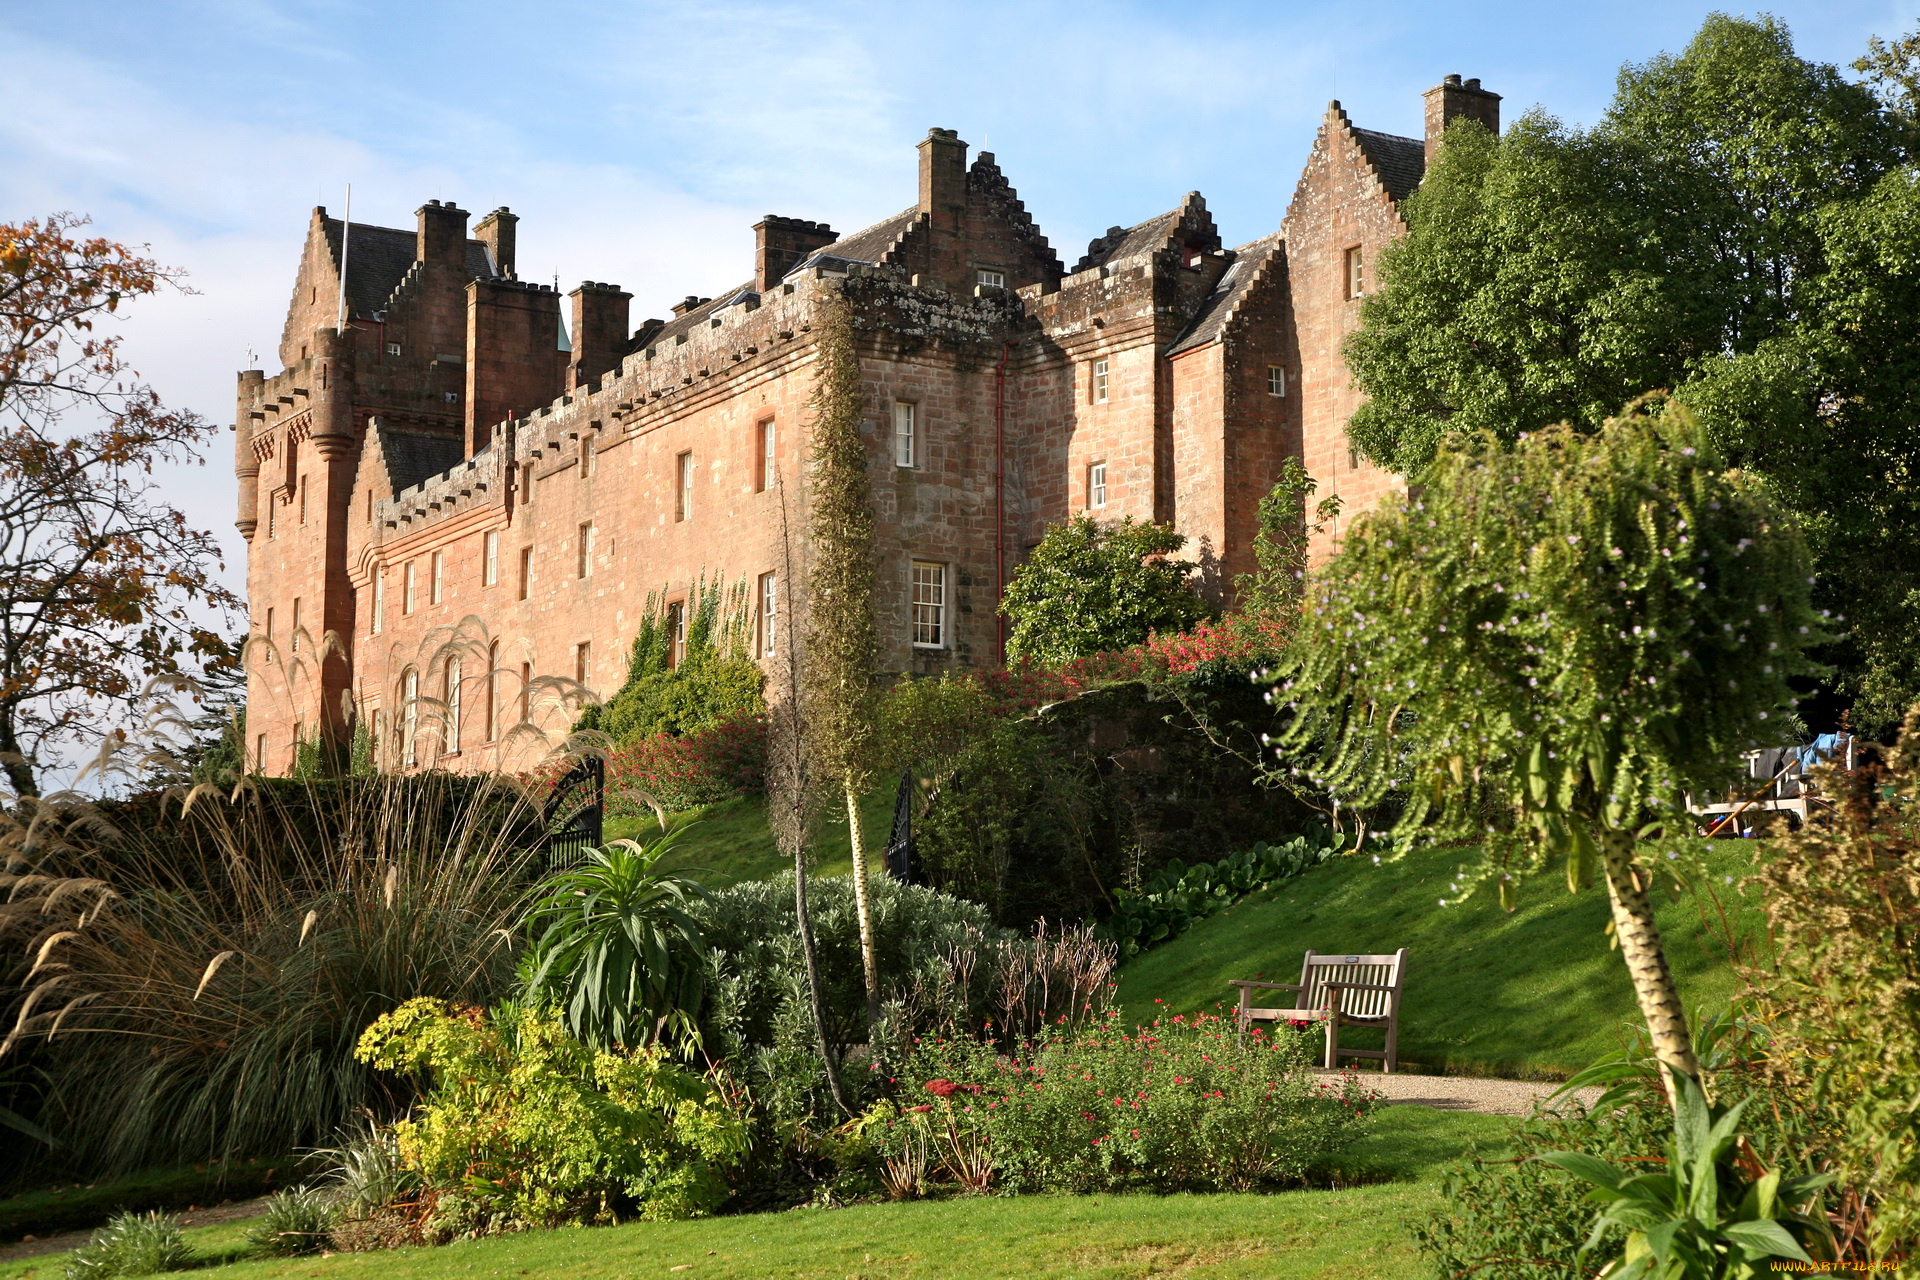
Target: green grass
(1534,993)
(73,1207)
(731,842)
(1353,1234)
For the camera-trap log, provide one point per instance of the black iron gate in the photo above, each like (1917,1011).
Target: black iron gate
(575,811)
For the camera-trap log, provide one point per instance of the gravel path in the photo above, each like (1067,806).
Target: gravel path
(230,1212)
(1465,1093)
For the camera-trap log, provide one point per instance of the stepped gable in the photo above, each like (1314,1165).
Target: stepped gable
(411,457)
(1399,162)
(863,248)
(1190,223)
(986,180)
(1248,264)
(380,258)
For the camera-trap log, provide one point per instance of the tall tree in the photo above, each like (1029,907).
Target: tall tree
(1547,649)
(1732,230)
(1093,587)
(837,684)
(103,584)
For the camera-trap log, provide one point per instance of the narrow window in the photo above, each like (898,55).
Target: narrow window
(526,692)
(453,706)
(294,639)
(490,574)
(586,457)
(379,736)
(299,737)
(991,279)
(434,584)
(583,662)
(410,716)
(676,633)
(1100,381)
(683,489)
(768,470)
(526,571)
(303,499)
(1097,485)
(379,598)
(269,624)
(273,517)
(1276,380)
(369,506)
(929,605)
(526,485)
(492,709)
(260,754)
(906,433)
(1356,273)
(586,551)
(769,614)
(406,589)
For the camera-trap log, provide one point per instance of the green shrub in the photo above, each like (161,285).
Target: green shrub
(132,1244)
(711,680)
(298,1220)
(1090,587)
(1182,1105)
(523,1125)
(1177,895)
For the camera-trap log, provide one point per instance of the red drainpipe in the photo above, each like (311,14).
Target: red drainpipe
(1000,499)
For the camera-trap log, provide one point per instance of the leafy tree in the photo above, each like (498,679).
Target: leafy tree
(102,583)
(1270,596)
(715,680)
(1547,648)
(836,687)
(1738,228)
(616,951)
(1093,588)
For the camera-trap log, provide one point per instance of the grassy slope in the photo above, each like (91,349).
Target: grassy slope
(1354,1234)
(731,840)
(1532,993)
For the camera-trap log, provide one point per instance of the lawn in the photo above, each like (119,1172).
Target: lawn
(1357,1233)
(1531,993)
(730,841)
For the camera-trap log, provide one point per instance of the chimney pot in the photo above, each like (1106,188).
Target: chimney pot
(780,244)
(1453,98)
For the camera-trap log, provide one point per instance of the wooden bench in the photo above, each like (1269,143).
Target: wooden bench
(1340,991)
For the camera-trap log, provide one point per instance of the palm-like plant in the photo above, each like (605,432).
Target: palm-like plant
(615,949)
(1703,1217)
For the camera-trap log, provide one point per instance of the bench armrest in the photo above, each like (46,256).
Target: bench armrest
(1266,986)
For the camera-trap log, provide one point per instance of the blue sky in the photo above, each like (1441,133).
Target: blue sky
(640,141)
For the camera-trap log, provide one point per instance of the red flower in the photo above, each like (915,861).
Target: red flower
(942,1088)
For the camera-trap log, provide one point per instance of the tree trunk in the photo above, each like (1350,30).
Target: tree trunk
(805,924)
(1653,984)
(860,905)
(19,771)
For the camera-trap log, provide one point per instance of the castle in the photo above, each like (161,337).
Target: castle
(450,496)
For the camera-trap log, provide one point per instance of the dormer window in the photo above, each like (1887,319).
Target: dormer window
(990,279)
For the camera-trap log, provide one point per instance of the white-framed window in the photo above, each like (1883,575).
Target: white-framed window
(490,570)
(1356,272)
(769,614)
(586,551)
(492,709)
(1097,485)
(767,470)
(906,433)
(379,598)
(451,397)
(260,753)
(410,716)
(583,662)
(1276,380)
(587,455)
(929,605)
(436,582)
(293,640)
(452,744)
(1099,385)
(990,278)
(676,633)
(683,487)
(393,348)
(406,589)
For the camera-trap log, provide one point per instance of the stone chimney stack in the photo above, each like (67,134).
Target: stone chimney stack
(943,178)
(1453,98)
(781,243)
(497,232)
(599,330)
(442,237)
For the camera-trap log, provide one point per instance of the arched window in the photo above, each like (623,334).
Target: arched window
(410,717)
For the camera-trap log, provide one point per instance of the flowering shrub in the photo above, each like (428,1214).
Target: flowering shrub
(1182,1105)
(684,772)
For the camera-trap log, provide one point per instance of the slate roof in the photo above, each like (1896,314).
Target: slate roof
(867,246)
(1124,242)
(413,456)
(1399,161)
(697,318)
(1218,309)
(380,257)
